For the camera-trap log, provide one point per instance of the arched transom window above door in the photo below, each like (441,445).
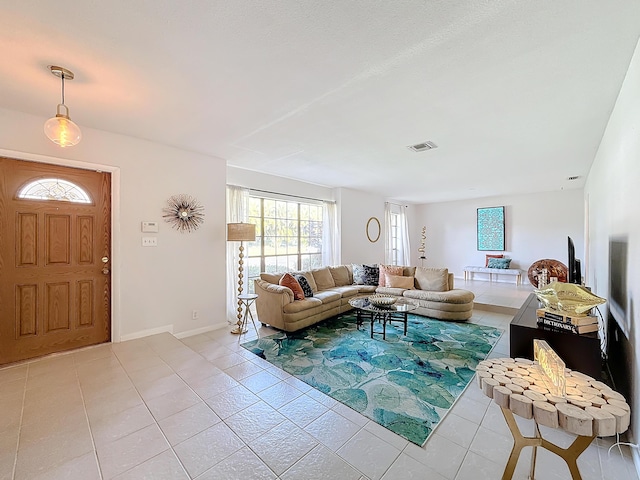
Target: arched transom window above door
(54,189)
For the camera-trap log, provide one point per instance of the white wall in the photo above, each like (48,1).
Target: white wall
(153,288)
(356,208)
(271,183)
(537,226)
(613,195)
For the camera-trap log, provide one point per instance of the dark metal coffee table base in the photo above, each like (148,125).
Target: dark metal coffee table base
(383,317)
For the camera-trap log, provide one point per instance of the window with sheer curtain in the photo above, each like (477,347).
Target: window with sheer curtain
(397,249)
(289,236)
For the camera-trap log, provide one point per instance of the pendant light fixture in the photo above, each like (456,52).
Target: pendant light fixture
(60,129)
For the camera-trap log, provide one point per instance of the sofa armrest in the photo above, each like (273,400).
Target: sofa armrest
(270,302)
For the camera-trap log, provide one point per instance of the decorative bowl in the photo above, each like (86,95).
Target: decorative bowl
(382,300)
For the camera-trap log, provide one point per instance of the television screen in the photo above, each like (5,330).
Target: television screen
(571,262)
(618,282)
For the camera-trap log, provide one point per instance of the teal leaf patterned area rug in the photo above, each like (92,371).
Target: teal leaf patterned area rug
(406,384)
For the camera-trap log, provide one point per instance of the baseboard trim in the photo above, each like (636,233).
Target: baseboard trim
(198,331)
(146,333)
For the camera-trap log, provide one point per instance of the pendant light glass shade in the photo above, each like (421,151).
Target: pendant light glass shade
(61,130)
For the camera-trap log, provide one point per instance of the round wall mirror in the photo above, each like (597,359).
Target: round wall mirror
(373,229)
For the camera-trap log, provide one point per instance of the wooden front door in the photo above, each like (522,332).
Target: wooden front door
(55,259)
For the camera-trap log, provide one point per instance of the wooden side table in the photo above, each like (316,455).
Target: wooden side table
(247,300)
(589,409)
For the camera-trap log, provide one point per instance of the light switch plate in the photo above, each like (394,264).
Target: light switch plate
(150,227)
(149,241)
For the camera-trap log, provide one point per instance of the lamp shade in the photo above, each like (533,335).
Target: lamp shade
(241,232)
(61,130)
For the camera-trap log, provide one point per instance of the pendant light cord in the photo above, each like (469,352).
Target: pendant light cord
(62,77)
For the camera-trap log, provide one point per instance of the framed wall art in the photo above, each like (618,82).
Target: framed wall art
(491,229)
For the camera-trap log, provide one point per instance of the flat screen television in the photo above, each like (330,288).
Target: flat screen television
(574,270)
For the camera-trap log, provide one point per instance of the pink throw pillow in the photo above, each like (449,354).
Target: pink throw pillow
(389,270)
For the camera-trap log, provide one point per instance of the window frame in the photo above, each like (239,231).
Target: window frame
(313,259)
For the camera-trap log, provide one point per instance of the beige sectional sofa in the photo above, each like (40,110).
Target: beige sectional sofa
(333,287)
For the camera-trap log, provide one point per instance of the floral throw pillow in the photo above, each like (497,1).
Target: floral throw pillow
(304,284)
(358,274)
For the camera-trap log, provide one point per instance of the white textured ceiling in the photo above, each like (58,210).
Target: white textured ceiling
(516,94)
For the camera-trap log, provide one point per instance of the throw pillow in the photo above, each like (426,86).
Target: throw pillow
(432,279)
(390,270)
(489,257)
(499,263)
(340,275)
(323,278)
(358,274)
(371,275)
(304,284)
(289,281)
(399,281)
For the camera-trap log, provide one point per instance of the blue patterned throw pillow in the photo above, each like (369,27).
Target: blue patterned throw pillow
(304,283)
(358,274)
(499,263)
(371,274)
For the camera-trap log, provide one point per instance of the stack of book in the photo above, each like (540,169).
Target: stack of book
(560,321)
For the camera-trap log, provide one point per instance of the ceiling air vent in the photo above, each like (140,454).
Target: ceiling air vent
(575,177)
(421,147)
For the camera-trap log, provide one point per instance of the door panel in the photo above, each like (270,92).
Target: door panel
(54,295)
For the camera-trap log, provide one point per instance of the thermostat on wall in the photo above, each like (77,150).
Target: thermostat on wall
(150,227)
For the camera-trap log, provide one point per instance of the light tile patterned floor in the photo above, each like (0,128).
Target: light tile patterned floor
(204,408)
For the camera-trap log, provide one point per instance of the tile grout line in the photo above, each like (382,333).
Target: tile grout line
(86,415)
(153,416)
(24,397)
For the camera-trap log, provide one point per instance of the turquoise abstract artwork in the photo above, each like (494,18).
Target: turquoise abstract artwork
(406,383)
(491,229)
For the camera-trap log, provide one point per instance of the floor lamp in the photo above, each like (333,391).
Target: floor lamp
(240,232)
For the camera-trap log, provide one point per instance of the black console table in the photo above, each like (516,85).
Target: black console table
(579,352)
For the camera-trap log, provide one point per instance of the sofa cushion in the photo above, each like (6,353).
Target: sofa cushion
(323,278)
(327,296)
(271,277)
(371,275)
(452,296)
(367,288)
(432,279)
(340,276)
(289,281)
(358,273)
(304,284)
(391,291)
(302,305)
(347,290)
(409,272)
(390,270)
(399,281)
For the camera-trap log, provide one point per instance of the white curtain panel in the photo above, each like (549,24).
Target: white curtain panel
(330,235)
(388,235)
(237,211)
(404,253)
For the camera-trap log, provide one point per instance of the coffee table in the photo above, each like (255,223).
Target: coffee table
(396,312)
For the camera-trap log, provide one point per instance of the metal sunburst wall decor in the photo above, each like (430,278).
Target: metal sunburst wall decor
(184,213)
